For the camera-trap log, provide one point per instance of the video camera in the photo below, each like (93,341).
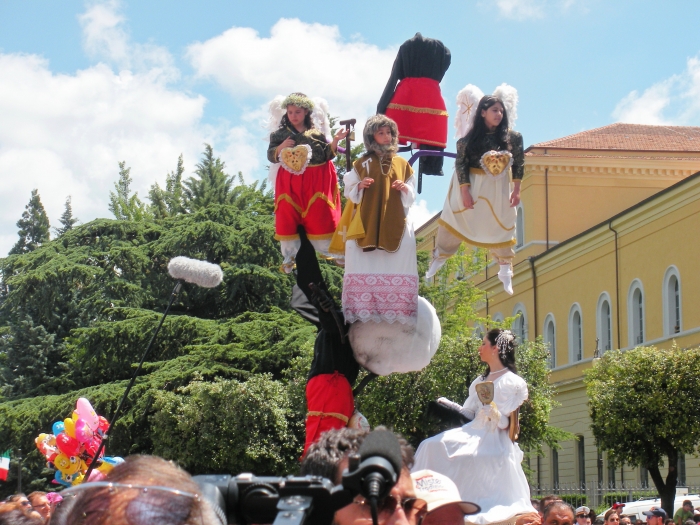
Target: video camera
(295,500)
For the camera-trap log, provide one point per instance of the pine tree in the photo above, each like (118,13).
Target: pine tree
(67,220)
(168,202)
(213,185)
(33,227)
(122,204)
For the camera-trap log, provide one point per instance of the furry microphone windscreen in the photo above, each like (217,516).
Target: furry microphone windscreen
(201,273)
(385,444)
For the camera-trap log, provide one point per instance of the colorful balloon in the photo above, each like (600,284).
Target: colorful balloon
(103,426)
(83,433)
(57,428)
(69,427)
(58,479)
(87,413)
(68,445)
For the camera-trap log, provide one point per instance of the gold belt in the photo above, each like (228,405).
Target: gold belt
(343,418)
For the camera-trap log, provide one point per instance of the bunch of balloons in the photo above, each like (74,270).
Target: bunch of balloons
(73,444)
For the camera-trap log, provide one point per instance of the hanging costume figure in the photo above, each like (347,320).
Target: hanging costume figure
(303,174)
(380,286)
(480,207)
(416,103)
(329,396)
(482,457)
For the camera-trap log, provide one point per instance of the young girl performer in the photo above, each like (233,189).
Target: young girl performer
(381,273)
(480,457)
(480,207)
(305,180)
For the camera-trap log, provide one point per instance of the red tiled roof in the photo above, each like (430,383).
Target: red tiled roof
(631,137)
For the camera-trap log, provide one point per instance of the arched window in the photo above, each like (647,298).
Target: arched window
(555,468)
(519,227)
(604,323)
(479,331)
(635,313)
(497,317)
(575,334)
(671,294)
(520,324)
(550,339)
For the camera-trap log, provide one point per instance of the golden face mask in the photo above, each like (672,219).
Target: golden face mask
(496,162)
(296,159)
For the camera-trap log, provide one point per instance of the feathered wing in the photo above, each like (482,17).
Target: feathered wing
(509,96)
(276,114)
(319,116)
(467,101)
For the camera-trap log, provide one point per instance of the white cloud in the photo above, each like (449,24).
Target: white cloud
(312,58)
(420,214)
(673,101)
(64,134)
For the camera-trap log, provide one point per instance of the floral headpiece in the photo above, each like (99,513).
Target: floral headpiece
(299,100)
(503,341)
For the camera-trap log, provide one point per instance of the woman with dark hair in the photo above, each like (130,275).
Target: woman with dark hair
(611,517)
(480,206)
(303,175)
(480,457)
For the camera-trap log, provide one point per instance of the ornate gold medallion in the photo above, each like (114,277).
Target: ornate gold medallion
(496,162)
(296,159)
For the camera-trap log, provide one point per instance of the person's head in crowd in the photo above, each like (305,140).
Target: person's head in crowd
(328,457)
(668,521)
(41,504)
(535,504)
(141,491)
(558,512)
(625,520)
(655,516)
(583,515)
(689,522)
(638,522)
(54,499)
(546,500)
(611,517)
(20,498)
(445,505)
(687,505)
(15,513)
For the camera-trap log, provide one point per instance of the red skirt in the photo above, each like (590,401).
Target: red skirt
(311,199)
(330,405)
(419,111)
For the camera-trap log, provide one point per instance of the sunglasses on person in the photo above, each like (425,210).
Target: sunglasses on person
(414,508)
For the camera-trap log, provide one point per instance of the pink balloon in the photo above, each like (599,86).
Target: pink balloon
(87,413)
(83,433)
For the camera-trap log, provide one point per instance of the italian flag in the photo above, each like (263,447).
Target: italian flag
(4,465)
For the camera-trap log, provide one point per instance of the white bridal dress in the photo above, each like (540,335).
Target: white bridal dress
(480,457)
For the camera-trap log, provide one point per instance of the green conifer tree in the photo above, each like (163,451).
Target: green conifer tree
(213,185)
(122,204)
(33,227)
(168,202)
(67,220)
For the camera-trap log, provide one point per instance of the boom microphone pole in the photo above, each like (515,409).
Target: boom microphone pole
(201,273)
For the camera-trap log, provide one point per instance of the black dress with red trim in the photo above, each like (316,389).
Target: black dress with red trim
(412,97)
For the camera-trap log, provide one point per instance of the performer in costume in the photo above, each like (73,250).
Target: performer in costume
(416,103)
(480,457)
(381,273)
(329,397)
(303,175)
(480,206)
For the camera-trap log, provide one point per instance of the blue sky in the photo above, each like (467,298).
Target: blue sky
(84,85)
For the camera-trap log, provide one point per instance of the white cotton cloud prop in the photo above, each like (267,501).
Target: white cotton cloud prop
(385,348)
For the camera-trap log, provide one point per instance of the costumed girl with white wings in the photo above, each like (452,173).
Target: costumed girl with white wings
(480,205)
(481,457)
(303,173)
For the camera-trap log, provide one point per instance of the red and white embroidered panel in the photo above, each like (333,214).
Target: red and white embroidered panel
(380,297)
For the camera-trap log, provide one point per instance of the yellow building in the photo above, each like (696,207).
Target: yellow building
(606,258)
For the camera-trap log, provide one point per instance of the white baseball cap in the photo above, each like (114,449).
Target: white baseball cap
(438,490)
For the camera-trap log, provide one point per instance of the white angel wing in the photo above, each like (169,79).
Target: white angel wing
(319,116)
(509,96)
(467,101)
(276,113)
